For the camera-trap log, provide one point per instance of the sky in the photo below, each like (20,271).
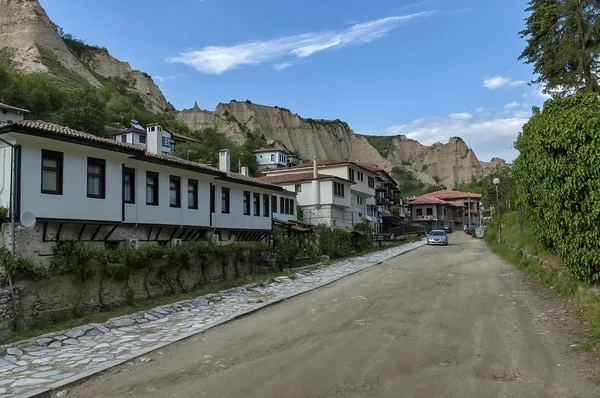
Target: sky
(428,69)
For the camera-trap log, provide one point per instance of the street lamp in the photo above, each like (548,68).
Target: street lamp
(496,181)
(481,214)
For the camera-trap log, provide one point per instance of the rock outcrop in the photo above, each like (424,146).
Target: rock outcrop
(32,43)
(103,64)
(449,164)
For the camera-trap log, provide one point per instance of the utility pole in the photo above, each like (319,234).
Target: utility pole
(496,182)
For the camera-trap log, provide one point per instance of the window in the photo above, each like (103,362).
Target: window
(265,205)
(359,200)
(96,178)
(124,138)
(225,200)
(213,198)
(286,206)
(272,157)
(174,191)
(246,203)
(52,170)
(257,204)
(4,111)
(129,185)
(274,201)
(192,194)
(444,212)
(282,205)
(142,139)
(338,189)
(351,174)
(151,188)
(298,188)
(371,181)
(419,212)
(430,211)
(166,141)
(359,176)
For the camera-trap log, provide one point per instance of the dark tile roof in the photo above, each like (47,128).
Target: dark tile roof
(447,194)
(427,200)
(298,177)
(259,150)
(13,108)
(140,152)
(325,163)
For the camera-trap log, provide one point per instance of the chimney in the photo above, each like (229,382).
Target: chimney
(245,171)
(316,188)
(154,138)
(225,161)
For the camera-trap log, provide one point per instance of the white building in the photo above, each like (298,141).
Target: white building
(11,113)
(160,139)
(334,193)
(81,186)
(272,158)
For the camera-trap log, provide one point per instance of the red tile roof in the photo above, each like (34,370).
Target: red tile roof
(427,200)
(452,195)
(298,177)
(260,150)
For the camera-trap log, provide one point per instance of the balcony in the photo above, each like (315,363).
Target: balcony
(425,218)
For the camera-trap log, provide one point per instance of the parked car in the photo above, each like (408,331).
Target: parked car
(447,229)
(437,237)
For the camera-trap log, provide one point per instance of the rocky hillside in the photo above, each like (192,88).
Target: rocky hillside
(31,42)
(450,164)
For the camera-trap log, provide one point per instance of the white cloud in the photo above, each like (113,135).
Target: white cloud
(488,134)
(163,78)
(479,109)
(496,82)
(461,116)
(282,66)
(511,105)
(219,59)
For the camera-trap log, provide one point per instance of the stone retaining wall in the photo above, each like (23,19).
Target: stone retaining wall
(63,297)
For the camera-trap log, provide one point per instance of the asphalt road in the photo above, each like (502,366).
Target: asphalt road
(450,321)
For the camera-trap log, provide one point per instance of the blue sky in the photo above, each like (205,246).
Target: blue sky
(428,69)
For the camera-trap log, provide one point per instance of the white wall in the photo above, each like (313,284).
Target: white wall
(359,186)
(278,214)
(264,159)
(73,203)
(10,115)
(236,218)
(164,214)
(5,166)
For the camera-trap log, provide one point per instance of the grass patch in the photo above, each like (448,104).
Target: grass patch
(553,274)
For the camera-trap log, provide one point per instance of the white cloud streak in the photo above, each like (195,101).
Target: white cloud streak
(282,66)
(219,59)
(489,134)
(163,78)
(496,82)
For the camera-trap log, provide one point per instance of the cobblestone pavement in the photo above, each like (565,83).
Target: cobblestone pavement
(33,366)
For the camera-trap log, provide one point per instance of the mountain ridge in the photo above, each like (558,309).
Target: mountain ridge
(33,43)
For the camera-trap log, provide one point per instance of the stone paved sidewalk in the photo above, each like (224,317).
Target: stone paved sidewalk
(34,366)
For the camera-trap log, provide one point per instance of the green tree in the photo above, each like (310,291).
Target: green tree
(563,44)
(84,110)
(558,179)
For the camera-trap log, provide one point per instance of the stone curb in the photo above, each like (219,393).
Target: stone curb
(111,364)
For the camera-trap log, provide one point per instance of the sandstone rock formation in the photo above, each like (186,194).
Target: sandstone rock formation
(103,64)
(449,164)
(31,41)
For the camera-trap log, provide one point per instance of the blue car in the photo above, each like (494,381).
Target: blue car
(437,237)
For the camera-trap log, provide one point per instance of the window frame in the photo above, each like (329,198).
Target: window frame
(273,204)
(166,142)
(298,188)
(194,191)
(429,211)
(131,173)
(246,203)
(59,158)
(419,212)
(371,182)
(177,181)
(338,190)
(102,177)
(351,175)
(256,204)
(155,188)
(266,204)
(225,200)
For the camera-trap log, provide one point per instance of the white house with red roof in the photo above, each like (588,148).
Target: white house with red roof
(88,188)
(332,192)
(10,113)
(445,207)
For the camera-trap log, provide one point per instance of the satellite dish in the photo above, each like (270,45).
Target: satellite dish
(28,219)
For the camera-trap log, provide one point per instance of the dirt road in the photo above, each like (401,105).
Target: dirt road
(450,321)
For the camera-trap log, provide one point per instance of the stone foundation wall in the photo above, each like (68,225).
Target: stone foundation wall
(328,215)
(111,286)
